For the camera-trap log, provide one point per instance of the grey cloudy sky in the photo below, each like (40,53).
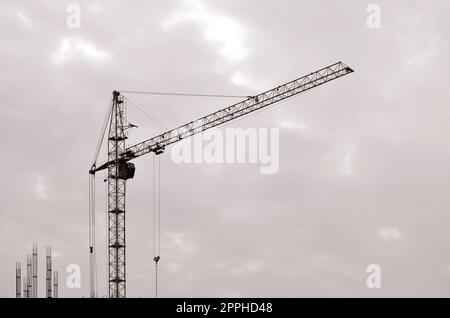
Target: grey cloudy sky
(364,161)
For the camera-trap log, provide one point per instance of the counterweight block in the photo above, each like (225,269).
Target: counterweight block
(126,170)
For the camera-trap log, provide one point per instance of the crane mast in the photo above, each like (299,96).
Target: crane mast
(120,169)
(116,198)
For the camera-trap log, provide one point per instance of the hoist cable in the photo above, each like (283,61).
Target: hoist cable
(156,280)
(156,217)
(154,207)
(91,275)
(94,237)
(154,226)
(159,205)
(92,264)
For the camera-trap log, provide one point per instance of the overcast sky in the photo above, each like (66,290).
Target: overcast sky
(364,161)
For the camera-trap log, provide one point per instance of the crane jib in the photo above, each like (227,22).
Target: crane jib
(158,143)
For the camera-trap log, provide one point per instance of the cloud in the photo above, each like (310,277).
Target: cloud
(248,267)
(347,161)
(293,125)
(300,233)
(224,32)
(239,79)
(96,8)
(418,46)
(390,233)
(76,47)
(174,267)
(424,56)
(181,243)
(40,188)
(243,80)
(24,19)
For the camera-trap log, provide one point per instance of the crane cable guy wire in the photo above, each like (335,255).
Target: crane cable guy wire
(183,94)
(145,113)
(173,94)
(92,249)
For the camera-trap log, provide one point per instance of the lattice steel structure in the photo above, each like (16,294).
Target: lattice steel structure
(252,104)
(25,286)
(48,272)
(35,271)
(29,276)
(18,280)
(117,176)
(55,284)
(120,169)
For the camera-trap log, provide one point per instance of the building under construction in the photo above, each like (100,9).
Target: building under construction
(27,287)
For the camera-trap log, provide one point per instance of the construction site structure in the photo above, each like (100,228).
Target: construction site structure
(18,281)
(25,291)
(35,271)
(120,169)
(29,276)
(55,284)
(48,272)
(30,281)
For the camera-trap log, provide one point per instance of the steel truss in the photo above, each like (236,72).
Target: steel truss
(116,201)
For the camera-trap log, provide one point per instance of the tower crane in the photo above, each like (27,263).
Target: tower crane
(120,169)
